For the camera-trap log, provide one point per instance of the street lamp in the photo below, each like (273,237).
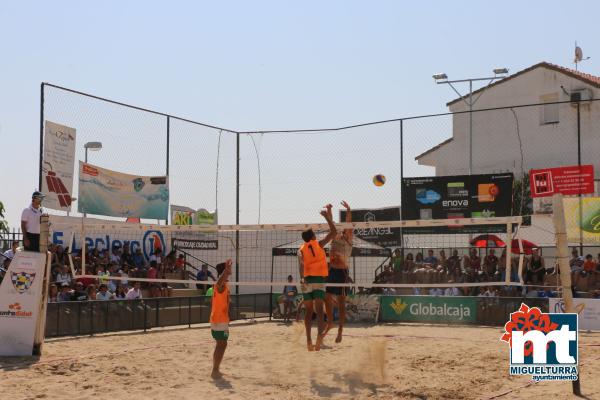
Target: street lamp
(93,146)
(499,73)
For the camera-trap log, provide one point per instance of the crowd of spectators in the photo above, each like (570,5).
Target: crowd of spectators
(119,262)
(471,267)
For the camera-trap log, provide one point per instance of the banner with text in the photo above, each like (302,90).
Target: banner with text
(58,166)
(384,237)
(462,196)
(188,216)
(429,309)
(115,194)
(568,181)
(20,299)
(582,217)
(588,310)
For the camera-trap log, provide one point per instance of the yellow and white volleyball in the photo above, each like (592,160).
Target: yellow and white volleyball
(379,180)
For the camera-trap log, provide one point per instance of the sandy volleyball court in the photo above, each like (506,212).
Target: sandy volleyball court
(269,361)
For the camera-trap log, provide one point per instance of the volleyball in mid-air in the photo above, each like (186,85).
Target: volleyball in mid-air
(379,180)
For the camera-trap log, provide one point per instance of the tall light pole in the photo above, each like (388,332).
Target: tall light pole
(93,146)
(499,73)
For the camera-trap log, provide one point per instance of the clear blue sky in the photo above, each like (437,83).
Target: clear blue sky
(267,65)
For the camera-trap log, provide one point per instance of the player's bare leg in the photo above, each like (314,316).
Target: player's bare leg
(329,311)
(342,321)
(308,308)
(321,323)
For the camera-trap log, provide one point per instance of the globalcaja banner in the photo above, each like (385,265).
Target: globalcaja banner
(459,310)
(58,166)
(462,196)
(111,193)
(588,310)
(583,219)
(20,299)
(573,180)
(188,216)
(384,237)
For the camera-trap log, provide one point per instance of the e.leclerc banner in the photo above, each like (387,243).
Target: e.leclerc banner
(111,193)
(20,297)
(460,310)
(461,196)
(58,166)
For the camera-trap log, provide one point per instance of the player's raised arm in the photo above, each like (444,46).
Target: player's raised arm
(348,232)
(326,213)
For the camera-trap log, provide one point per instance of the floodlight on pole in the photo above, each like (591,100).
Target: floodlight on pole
(469,101)
(92,146)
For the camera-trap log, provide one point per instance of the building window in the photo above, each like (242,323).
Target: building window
(549,112)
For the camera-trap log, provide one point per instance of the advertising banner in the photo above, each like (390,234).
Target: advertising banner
(20,299)
(568,181)
(384,237)
(582,217)
(362,308)
(58,166)
(188,216)
(462,196)
(194,244)
(588,310)
(111,193)
(429,309)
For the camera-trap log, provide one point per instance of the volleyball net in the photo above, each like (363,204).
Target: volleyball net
(264,256)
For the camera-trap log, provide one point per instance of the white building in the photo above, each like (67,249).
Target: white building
(548,133)
(527,137)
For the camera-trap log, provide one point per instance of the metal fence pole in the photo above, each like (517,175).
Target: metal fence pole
(41,135)
(189,312)
(168,154)
(401,178)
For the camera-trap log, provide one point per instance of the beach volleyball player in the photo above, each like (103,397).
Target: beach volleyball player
(219,315)
(312,264)
(341,251)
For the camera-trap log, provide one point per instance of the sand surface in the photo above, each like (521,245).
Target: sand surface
(269,361)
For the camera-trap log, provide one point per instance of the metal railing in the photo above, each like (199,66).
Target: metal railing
(91,317)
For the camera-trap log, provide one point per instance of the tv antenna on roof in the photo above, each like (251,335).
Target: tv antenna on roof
(579,56)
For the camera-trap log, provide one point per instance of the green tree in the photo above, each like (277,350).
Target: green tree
(522,202)
(3,227)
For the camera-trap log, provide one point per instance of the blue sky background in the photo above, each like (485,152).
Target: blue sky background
(268,65)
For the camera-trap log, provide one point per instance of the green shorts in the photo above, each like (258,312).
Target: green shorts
(314,288)
(219,335)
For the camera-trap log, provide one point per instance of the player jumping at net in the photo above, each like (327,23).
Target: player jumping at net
(341,251)
(312,263)
(219,316)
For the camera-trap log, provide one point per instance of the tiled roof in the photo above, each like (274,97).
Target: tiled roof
(434,148)
(587,78)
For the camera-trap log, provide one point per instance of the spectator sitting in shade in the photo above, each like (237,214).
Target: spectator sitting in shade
(138,258)
(63,276)
(135,292)
(10,253)
(53,294)
(121,293)
(65,293)
(79,294)
(104,294)
(203,275)
(91,292)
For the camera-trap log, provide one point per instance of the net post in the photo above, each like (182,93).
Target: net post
(562,249)
(40,330)
(83,246)
(508,258)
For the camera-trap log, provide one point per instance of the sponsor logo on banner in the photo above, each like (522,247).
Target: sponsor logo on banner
(429,309)
(587,309)
(451,197)
(362,308)
(543,345)
(15,311)
(572,180)
(22,280)
(381,236)
(195,244)
(583,219)
(153,240)
(58,166)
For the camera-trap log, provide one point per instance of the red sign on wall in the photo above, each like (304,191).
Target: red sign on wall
(566,180)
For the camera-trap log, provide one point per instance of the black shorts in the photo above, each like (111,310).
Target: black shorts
(34,242)
(337,275)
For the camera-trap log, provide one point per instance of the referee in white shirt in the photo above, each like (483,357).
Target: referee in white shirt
(30,222)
